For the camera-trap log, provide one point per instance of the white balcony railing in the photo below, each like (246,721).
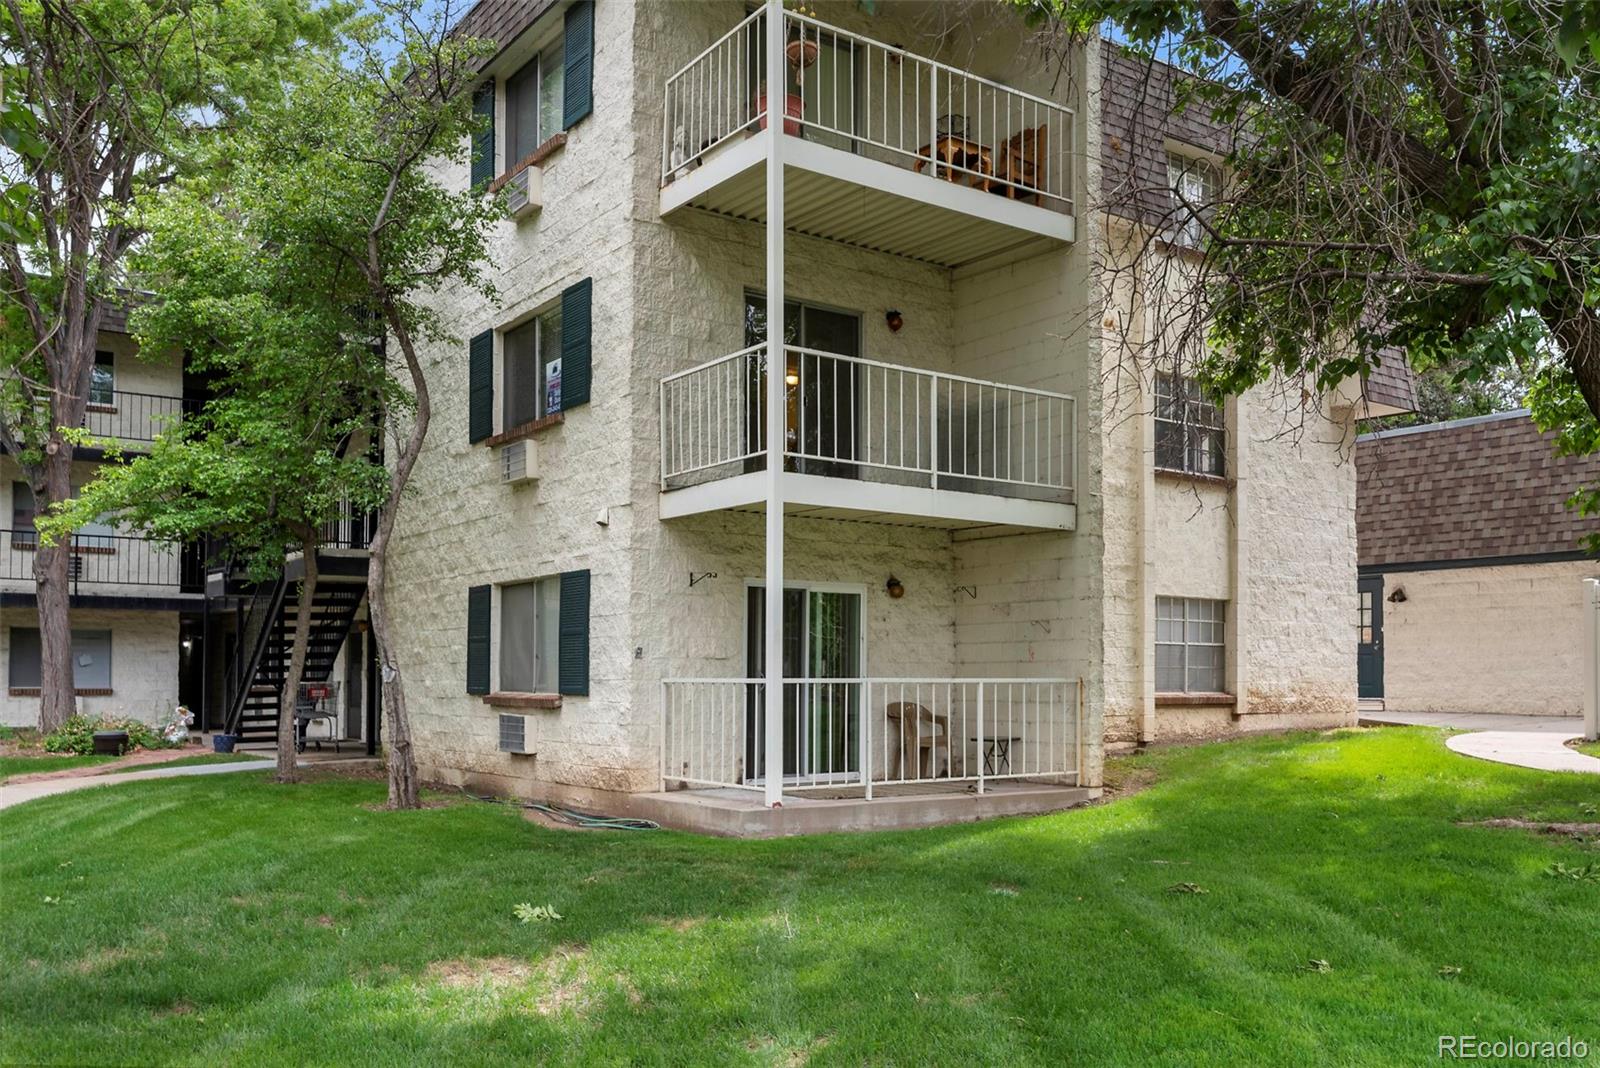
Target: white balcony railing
(862,419)
(853,93)
(872,732)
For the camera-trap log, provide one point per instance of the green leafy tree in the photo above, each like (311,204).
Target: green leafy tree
(1406,175)
(105,101)
(327,228)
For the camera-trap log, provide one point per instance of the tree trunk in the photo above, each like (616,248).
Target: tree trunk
(402,761)
(297,662)
(52,578)
(1577,330)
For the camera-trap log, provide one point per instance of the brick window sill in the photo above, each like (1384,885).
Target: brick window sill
(526,430)
(515,699)
(1175,475)
(535,158)
(33,691)
(1195,699)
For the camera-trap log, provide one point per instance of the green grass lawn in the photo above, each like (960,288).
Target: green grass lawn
(1591,748)
(33,765)
(226,920)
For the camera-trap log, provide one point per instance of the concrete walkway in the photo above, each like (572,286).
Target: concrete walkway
(28,791)
(1537,742)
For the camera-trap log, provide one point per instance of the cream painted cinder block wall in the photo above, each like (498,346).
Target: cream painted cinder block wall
(1276,540)
(1486,639)
(144,665)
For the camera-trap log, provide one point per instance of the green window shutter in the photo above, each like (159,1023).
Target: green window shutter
(573,676)
(483,138)
(577,302)
(577,86)
(480,386)
(478,613)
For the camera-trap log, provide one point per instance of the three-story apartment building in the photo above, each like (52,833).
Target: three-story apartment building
(997,559)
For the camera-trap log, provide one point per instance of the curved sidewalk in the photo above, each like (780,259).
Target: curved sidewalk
(1538,742)
(28,791)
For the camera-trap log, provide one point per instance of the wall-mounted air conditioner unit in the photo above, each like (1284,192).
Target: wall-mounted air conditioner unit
(525,192)
(516,734)
(519,462)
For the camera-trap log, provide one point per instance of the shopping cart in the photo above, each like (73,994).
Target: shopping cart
(316,701)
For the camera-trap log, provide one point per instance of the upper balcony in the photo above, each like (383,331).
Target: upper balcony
(883,149)
(871,441)
(134,419)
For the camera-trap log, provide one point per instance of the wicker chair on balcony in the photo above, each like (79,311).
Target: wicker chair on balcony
(1020,164)
(914,729)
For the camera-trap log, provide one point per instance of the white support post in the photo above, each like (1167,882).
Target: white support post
(1591,659)
(777,410)
(983,753)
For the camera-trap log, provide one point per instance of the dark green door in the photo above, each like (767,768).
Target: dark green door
(1369,638)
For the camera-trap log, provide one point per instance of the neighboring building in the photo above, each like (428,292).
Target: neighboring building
(137,607)
(1472,568)
(971,514)
(155,625)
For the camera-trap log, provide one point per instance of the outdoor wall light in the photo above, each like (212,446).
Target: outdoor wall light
(894,588)
(894,319)
(1398,596)
(792,377)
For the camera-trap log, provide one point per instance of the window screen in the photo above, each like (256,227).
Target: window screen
(531,373)
(1194,194)
(1189,432)
(530,624)
(103,379)
(91,659)
(1190,645)
(522,113)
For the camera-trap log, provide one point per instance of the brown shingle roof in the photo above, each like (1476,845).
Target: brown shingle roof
(1136,121)
(1471,489)
(1392,383)
(500,21)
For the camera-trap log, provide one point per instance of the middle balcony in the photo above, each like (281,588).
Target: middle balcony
(868,440)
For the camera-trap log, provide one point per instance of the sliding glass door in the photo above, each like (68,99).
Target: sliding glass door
(821,716)
(820,390)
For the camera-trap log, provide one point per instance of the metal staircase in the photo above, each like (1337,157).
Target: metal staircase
(266,640)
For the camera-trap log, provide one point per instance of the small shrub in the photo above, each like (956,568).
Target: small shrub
(76,735)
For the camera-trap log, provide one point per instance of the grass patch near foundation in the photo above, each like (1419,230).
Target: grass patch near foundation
(39,762)
(1302,899)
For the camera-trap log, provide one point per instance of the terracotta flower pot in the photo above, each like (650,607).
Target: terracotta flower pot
(801,54)
(793,106)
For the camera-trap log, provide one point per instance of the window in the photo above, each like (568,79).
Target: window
(1193,183)
(22,515)
(533,104)
(96,533)
(530,631)
(1189,433)
(1189,645)
(91,659)
(103,380)
(531,369)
